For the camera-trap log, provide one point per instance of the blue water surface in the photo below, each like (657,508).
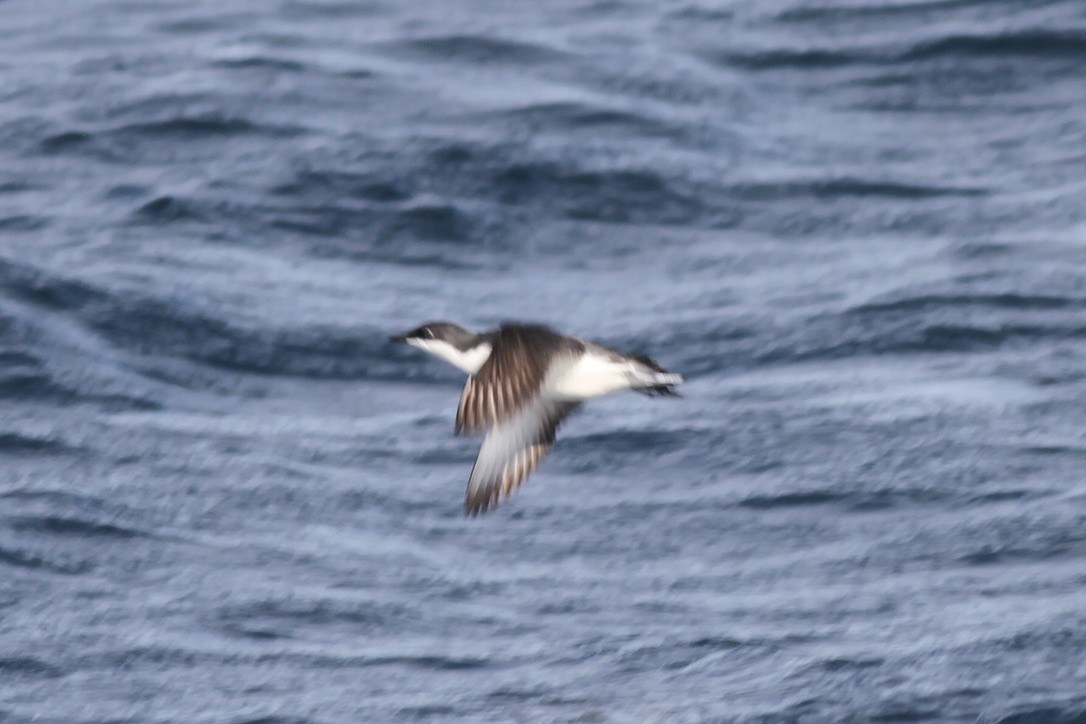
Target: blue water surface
(856,226)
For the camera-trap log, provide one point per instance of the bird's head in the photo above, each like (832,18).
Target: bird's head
(435,332)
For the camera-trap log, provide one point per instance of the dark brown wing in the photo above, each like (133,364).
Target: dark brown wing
(511,450)
(511,376)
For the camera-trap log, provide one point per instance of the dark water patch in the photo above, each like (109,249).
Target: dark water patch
(701,14)
(74,527)
(22,223)
(156,141)
(566,116)
(367,185)
(848,664)
(433,222)
(428,711)
(907,332)
(58,499)
(274,719)
(259,62)
(475,49)
(567,607)
(1007,300)
(485,186)
(329,9)
(40,386)
(1026,44)
(16,443)
(612,196)
(168,328)
(65,142)
(791,500)
(847,187)
(23,384)
(433,663)
(1055,450)
(842,12)
(515,694)
(11,359)
(26,666)
(254,633)
(20,558)
(1054,546)
(1002,496)
(784,59)
(881,500)
(392,224)
(1045,714)
(83,144)
(983,557)
(168,209)
(18,187)
(194,128)
(24,132)
(42,288)
(906,713)
(220,22)
(982,250)
(265,614)
(126,192)
(1056,44)
(678,655)
(619,441)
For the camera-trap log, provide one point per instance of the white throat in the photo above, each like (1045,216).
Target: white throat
(469,361)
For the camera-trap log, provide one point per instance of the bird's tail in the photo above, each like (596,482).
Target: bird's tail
(654,380)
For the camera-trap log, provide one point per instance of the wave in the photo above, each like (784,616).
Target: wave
(17,666)
(20,558)
(1002,300)
(636,195)
(1069,713)
(1022,45)
(147,326)
(474,49)
(147,140)
(14,443)
(157,327)
(23,223)
(883,10)
(260,62)
(73,527)
(567,116)
(1056,44)
(794,499)
(846,187)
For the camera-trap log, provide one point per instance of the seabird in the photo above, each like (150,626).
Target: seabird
(523,381)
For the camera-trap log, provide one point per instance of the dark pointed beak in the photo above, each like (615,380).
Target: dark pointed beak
(398,338)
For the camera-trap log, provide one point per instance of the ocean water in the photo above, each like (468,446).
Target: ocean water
(858,227)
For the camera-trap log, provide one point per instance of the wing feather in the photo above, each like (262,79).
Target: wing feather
(510,452)
(512,375)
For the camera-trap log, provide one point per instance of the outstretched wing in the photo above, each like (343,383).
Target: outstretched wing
(512,375)
(511,450)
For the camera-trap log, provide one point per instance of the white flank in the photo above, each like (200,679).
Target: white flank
(595,375)
(469,361)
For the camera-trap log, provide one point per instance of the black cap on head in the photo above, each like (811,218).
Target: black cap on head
(423,332)
(447,331)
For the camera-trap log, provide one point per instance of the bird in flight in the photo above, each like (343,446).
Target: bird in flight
(523,381)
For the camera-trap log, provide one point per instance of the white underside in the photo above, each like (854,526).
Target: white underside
(571,379)
(595,375)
